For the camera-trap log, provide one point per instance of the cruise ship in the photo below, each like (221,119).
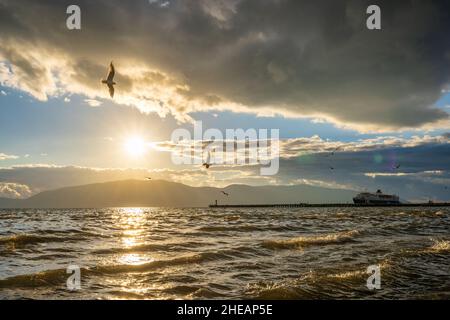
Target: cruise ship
(376,198)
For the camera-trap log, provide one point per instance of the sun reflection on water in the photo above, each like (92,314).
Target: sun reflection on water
(132,223)
(135,259)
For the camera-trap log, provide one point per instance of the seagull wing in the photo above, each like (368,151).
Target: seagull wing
(111,90)
(335,150)
(111,73)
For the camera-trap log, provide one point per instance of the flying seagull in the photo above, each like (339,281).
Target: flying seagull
(331,168)
(333,152)
(227,194)
(206,164)
(110,79)
(148,178)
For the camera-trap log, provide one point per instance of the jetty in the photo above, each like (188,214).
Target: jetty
(329,205)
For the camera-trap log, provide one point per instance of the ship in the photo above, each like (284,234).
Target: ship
(377,198)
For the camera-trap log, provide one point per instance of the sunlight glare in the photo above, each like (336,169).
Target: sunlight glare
(135,146)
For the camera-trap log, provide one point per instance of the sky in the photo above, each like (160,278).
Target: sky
(308,68)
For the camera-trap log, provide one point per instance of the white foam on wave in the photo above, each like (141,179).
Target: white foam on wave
(440,246)
(296,242)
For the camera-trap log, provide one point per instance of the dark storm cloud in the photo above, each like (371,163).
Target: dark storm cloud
(423,172)
(303,58)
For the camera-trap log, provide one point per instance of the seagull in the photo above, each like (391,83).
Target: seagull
(331,168)
(148,178)
(227,194)
(110,79)
(206,164)
(332,153)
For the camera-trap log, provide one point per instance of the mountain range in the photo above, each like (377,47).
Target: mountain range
(161,193)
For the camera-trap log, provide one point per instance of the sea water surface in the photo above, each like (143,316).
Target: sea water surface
(273,253)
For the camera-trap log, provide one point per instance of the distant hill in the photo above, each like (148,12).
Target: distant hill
(161,193)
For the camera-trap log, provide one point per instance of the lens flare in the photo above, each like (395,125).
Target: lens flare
(135,146)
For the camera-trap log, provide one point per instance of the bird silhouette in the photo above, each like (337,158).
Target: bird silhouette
(148,178)
(207,163)
(109,81)
(331,168)
(396,166)
(227,194)
(334,151)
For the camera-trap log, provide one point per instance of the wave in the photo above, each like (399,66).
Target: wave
(436,247)
(348,274)
(205,293)
(232,218)
(40,279)
(242,228)
(359,273)
(322,283)
(59,276)
(299,242)
(273,291)
(138,248)
(439,246)
(149,266)
(23,239)
(125,295)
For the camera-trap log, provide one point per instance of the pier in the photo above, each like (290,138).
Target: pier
(328,205)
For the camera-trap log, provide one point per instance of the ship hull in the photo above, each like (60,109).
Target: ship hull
(373,201)
(378,198)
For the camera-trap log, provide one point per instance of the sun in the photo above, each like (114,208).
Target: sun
(135,146)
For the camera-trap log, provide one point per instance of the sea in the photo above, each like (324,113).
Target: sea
(209,253)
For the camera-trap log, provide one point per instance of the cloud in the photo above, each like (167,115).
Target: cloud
(14,190)
(368,164)
(93,103)
(295,147)
(267,57)
(162,4)
(323,184)
(4,156)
